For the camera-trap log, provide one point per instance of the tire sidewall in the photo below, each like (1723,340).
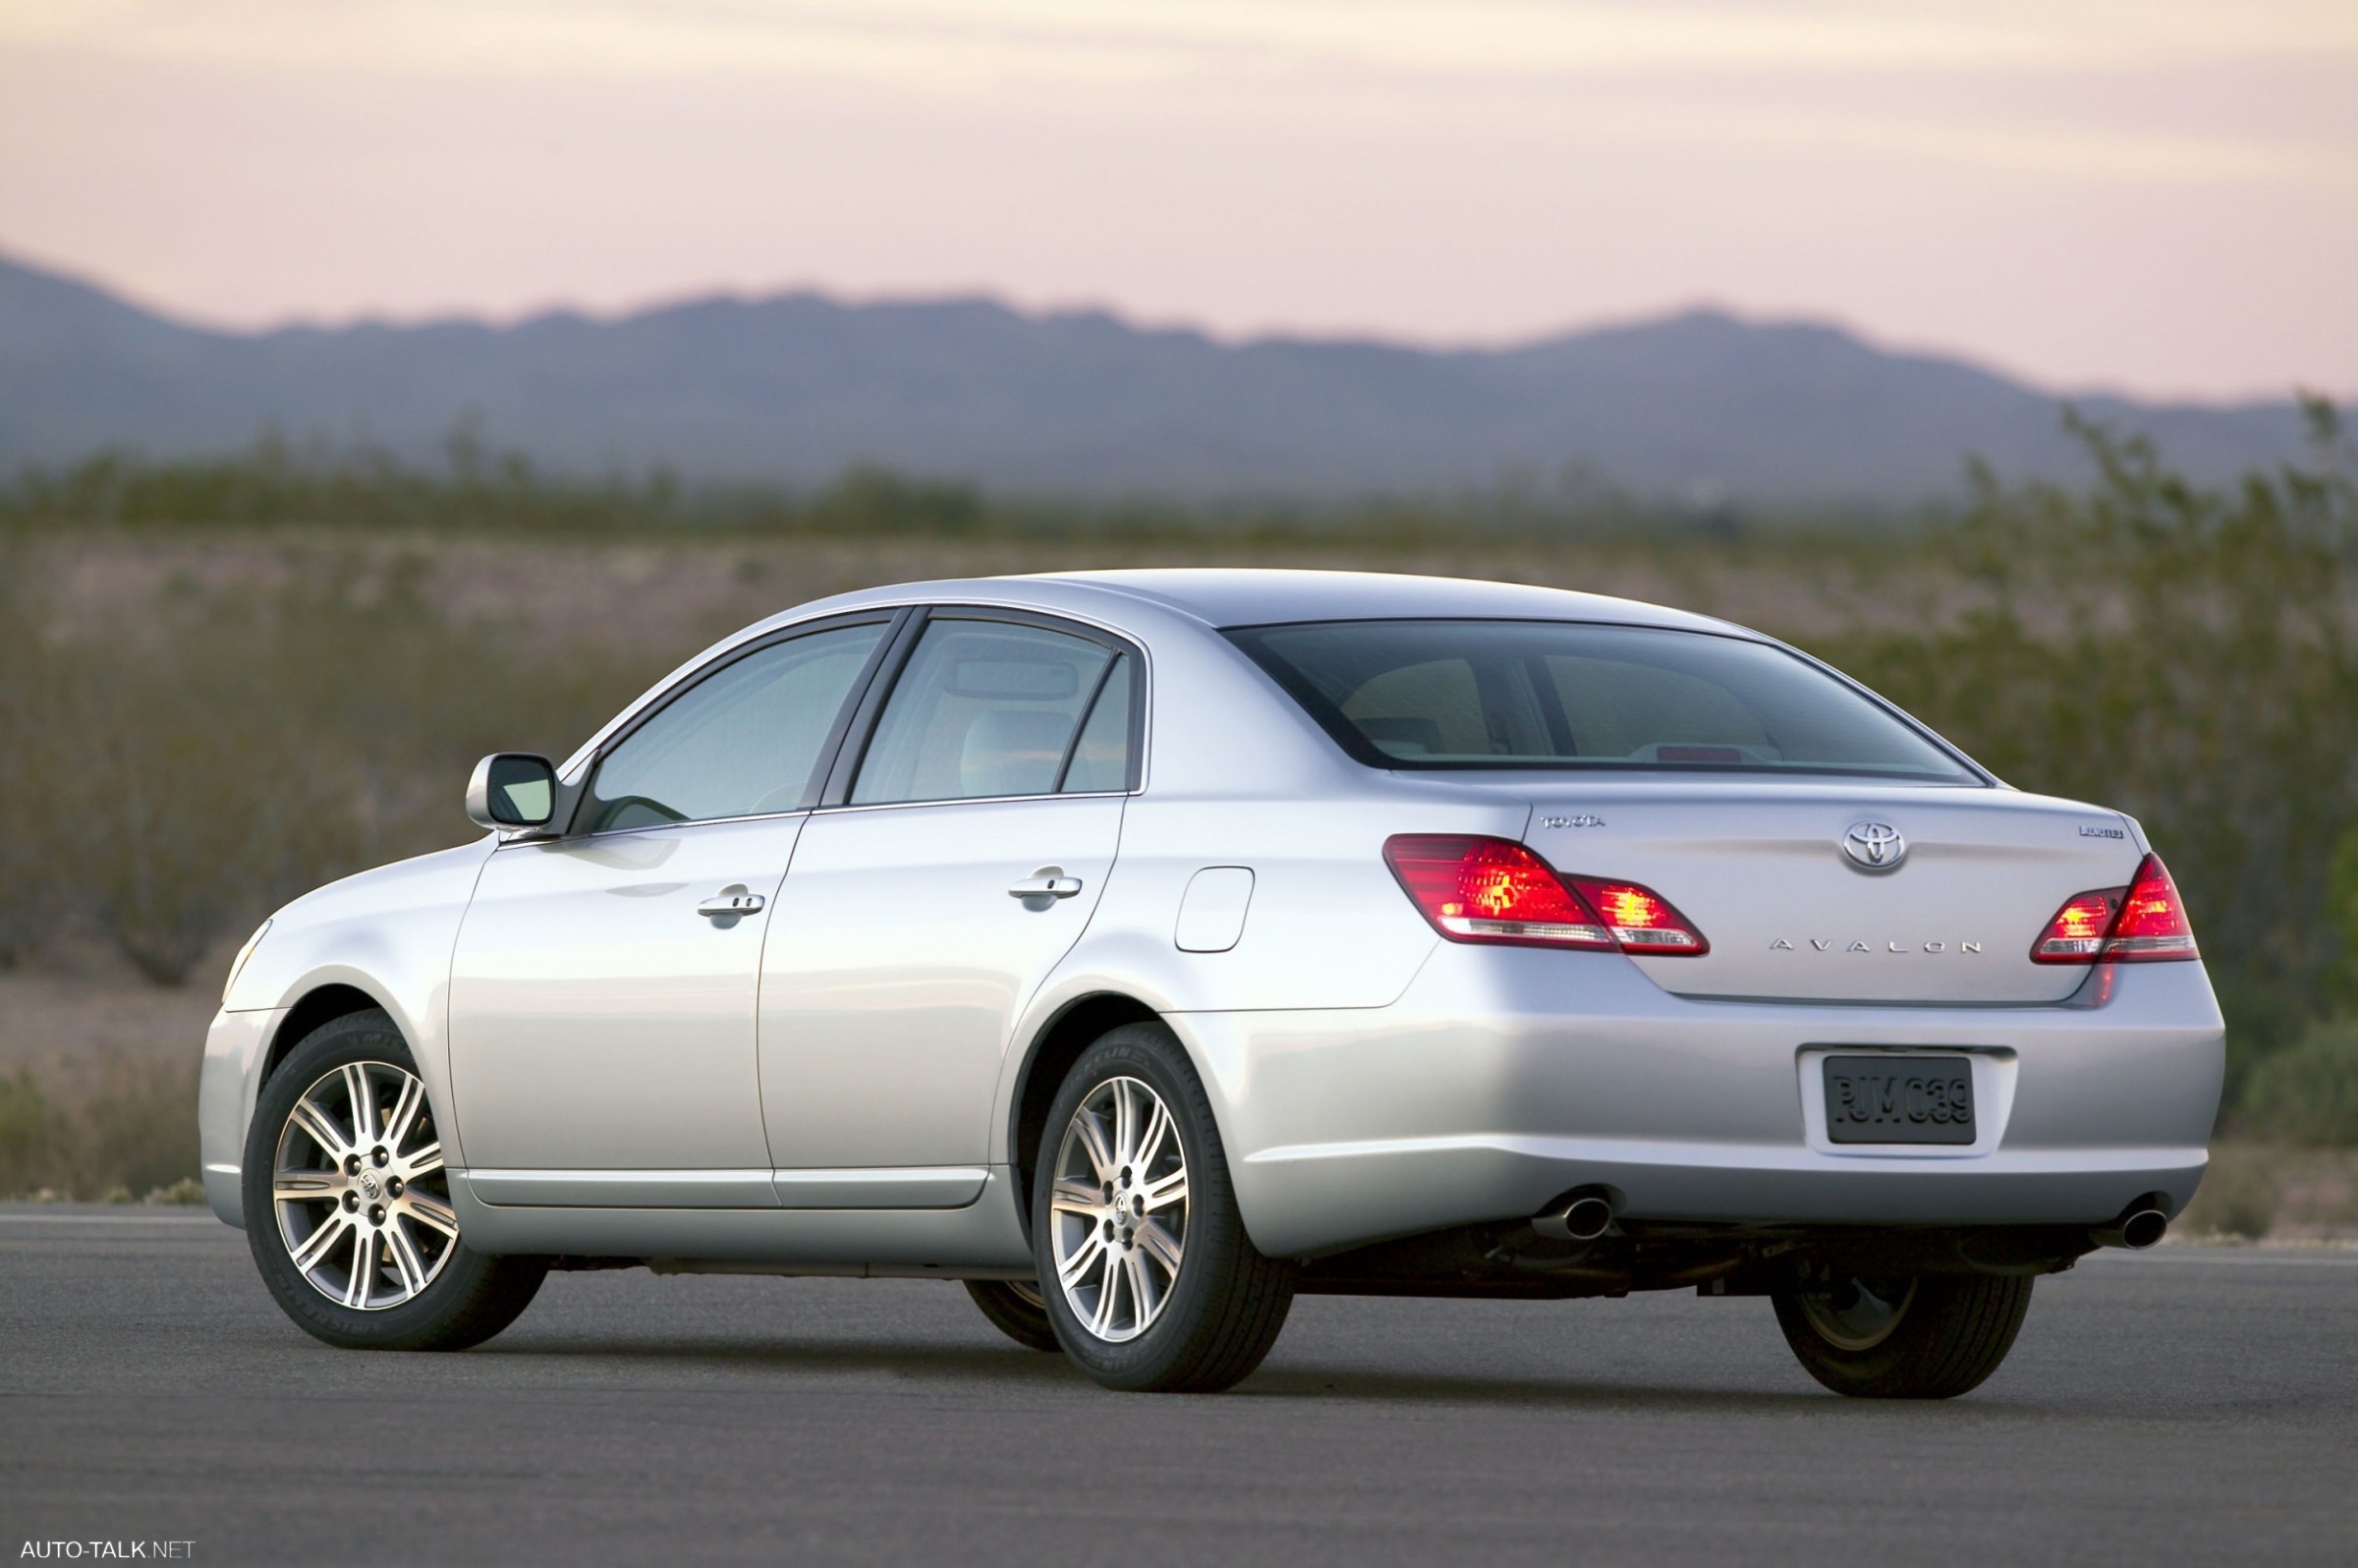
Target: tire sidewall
(365,1036)
(1027,1325)
(1150,1053)
(1919,1359)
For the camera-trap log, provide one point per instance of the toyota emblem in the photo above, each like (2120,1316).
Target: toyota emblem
(1875,846)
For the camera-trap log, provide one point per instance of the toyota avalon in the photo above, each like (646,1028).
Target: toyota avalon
(1144,949)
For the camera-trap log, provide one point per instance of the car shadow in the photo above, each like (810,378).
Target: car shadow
(1305,1385)
(896,1357)
(1535,1393)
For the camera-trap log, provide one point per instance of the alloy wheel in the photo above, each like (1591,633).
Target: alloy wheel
(1118,1209)
(359,1191)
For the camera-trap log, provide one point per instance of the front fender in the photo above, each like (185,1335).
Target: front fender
(388,934)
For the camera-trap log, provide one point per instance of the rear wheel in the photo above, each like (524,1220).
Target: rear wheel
(1904,1336)
(348,1211)
(1149,1277)
(1017,1310)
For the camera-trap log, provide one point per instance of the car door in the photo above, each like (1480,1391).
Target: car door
(971,839)
(605,983)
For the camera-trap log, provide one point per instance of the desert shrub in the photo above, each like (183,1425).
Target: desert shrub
(129,1129)
(2187,655)
(29,1155)
(2307,1093)
(187,776)
(137,1131)
(2240,1194)
(33,866)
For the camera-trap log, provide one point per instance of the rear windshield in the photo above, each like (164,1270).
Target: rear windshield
(1564,695)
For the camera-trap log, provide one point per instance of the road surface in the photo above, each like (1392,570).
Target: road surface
(2182,1406)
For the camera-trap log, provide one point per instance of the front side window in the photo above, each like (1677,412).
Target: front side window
(742,742)
(1434,695)
(993,708)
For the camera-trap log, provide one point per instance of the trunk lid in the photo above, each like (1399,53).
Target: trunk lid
(1760,868)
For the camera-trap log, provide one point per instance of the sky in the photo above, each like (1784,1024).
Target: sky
(2158,198)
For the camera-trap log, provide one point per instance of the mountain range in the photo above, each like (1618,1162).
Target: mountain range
(1700,407)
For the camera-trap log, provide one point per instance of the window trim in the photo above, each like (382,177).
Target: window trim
(837,796)
(1346,735)
(894,620)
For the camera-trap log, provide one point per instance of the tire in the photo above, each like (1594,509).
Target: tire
(1016,1310)
(1163,1292)
(418,1286)
(1922,1336)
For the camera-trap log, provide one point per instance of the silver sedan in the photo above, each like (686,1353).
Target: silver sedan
(1144,948)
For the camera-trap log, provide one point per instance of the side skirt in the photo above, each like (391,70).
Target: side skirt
(980,1240)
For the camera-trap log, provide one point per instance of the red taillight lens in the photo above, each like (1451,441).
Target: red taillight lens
(1494,890)
(2153,922)
(1491,890)
(2141,922)
(1641,919)
(2077,932)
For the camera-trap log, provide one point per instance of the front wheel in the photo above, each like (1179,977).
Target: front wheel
(1904,1336)
(1149,1277)
(348,1211)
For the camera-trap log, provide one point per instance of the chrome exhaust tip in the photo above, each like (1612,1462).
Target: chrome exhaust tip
(2138,1228)
(1585,1217)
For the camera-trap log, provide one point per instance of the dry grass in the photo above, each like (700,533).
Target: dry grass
(203,719)
(98,1085)
(2263,1192)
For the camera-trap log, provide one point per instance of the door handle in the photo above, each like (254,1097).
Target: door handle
(723,906)
(1043,886)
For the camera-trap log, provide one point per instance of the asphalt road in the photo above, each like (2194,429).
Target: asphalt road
(2181,1406)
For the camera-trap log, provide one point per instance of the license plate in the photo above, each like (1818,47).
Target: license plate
(1899,1099)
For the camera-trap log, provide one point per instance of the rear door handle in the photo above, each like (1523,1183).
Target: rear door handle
(1045,886)
(720,906)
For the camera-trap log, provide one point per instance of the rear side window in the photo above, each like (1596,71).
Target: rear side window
(1101,756)
(1434,695)
(993,708)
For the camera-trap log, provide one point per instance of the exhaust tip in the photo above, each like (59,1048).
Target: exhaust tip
(1587,1215)
(1587,1219)
(2137,1229)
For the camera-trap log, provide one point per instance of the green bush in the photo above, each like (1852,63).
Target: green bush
(2189,656)
(2308,1093)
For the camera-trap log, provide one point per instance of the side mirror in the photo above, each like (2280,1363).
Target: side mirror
(511,790)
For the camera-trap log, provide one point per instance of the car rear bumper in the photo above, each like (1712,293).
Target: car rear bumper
(1503,1078)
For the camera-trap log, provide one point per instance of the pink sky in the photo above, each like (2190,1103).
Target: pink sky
(2158,196)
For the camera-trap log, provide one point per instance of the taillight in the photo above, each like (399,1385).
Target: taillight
(1641,919)
(2153,922)
(1476,890)
(2077,932)
(2141,922)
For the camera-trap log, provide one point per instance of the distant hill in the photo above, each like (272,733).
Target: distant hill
(797,388)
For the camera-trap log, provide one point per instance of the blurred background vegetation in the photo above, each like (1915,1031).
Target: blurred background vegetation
(223,683)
